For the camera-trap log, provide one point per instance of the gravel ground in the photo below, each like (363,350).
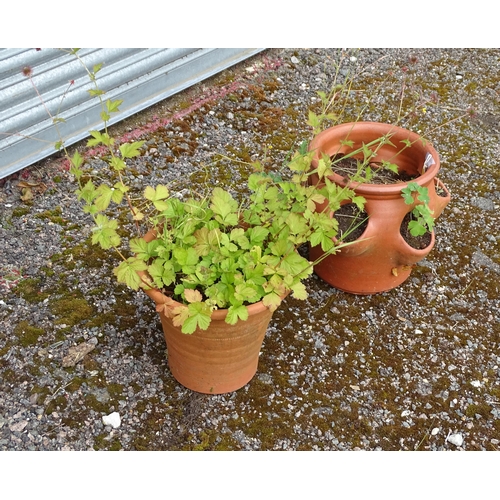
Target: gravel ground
(415,368)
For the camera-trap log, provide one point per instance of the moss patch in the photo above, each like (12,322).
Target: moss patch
(71,310)
(29,290)
(27,334)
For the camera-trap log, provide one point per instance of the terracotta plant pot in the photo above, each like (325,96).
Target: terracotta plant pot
(222,358)
(381,259)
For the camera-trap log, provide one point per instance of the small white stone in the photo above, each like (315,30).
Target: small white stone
(405,413)
(112,419)
(456,439)
(435,431)
(294,60)
(476,383)
(353,59)
(459,77)
(418,332)
(18,426)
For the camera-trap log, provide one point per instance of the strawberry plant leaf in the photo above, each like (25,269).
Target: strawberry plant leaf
(104,234)
(199,317)
(235,313)
(131,149)
(126,272)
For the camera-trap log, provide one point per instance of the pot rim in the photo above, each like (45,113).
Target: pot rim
(378,128)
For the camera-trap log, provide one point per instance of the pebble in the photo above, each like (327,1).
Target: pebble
(18,426)
(435,431)
(112,419)
(456,439)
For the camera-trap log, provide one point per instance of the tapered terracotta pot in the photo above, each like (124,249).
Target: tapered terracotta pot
(222,358)
(380,259)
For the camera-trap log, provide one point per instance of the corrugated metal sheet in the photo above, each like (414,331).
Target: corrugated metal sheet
(141,77)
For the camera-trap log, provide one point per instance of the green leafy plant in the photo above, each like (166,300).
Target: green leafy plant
(422,221)
(209,251)
(359,165)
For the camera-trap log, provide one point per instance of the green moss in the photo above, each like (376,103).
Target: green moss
(89,255)
(29,290)
(54,216)
(103,442)
(58,403)
(92,402)
(482,409)
(9,375)
(48,271)
(75,384)
(210,440)
(27,334)
(71,310)
(42,392)
(90,364)
(20,211)
(115,390)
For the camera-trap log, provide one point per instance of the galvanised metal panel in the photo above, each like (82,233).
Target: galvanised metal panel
(141,77)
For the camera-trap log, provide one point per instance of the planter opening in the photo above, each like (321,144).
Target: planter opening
(417,242)
(352,222)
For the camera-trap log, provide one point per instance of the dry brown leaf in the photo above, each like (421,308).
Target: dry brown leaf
(27,184)
(77,353)
(26,194)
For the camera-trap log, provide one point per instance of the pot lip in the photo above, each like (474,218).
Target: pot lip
(344,129)
(218,314)
(419,251)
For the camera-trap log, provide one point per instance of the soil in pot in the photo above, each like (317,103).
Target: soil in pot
(347,168)
(418,242)
(352,222)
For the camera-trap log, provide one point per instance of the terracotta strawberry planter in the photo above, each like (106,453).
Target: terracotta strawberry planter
(222,358)
(381,259)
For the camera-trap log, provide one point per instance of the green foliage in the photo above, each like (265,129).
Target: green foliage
(213,252)
(422,221)
(210,252)
(217,252)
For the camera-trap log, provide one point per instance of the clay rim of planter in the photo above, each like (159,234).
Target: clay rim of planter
(217,315)
(365,132)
